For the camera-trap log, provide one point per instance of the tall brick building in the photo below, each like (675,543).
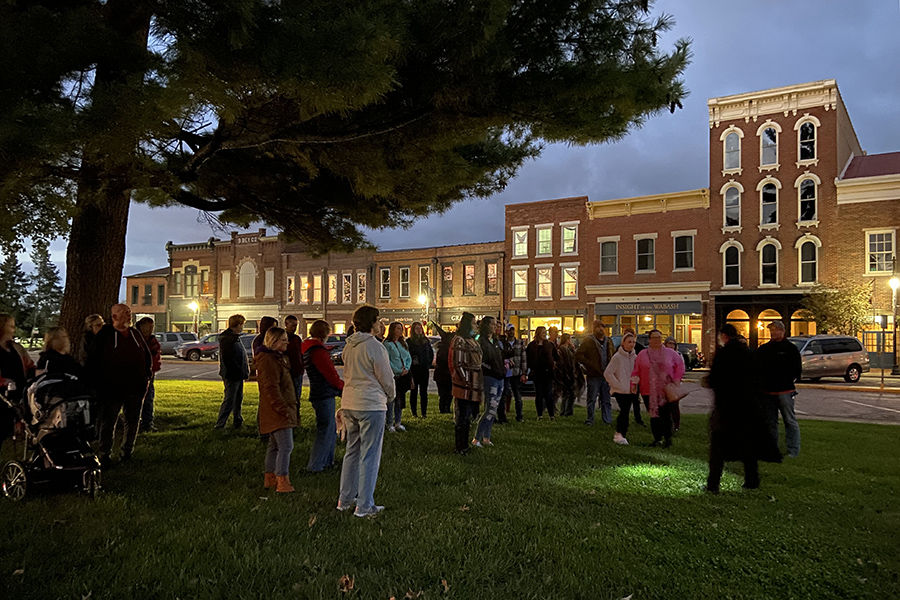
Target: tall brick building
(192,273)
(146,294)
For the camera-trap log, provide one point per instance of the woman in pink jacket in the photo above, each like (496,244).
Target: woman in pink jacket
(654,368)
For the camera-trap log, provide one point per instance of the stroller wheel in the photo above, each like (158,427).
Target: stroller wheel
(14,481)
(92,483)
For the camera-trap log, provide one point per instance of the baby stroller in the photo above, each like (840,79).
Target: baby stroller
(55,423)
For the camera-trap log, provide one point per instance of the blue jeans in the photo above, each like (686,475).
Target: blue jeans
(493,394)
(147,411)
(784,403)
(598,387)
(365,434)
(322,453)
(278,454)
(234,398)
(395,407)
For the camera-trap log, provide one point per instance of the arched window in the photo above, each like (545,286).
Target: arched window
(807,141)
(768,265)
(808,262)
(801,325)
(248,280)
(732,207)
(732,151)
(741,322)
(769,149)
(768,205)
(732,266)
(808,192)
(762,324)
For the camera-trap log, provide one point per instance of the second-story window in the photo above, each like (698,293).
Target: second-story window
(732,266)
(808,262)
(544,241)
(404,282)
(732,207)
(469,280)
(545,282)
(161,294)
(317,289)
(491,285)
(424,280)
(684,252)
(807,200)
(609,257)
(148,295)
(520,284)
(347,288)
(204,281)
(332,288)
(569,239)
(361,287)
(570,282)
(290,291)
(646,259)
(385,283)
(303,289)
(191,281)
(177,283)
(769,148)
(769,205)
(447,280)
(135,292)
(769,265)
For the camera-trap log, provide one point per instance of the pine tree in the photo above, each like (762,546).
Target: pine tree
(46,292)
(14,289)
(318,117)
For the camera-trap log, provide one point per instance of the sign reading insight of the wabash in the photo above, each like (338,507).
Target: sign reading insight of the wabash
(647,308)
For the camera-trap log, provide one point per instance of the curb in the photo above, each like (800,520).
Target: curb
(847,388)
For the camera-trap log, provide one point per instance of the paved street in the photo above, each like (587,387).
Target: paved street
(812,401)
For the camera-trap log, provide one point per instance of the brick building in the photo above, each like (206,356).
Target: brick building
(146,294)
(329,287)
(248,277)
(547,261)
(450,279)
(192,271)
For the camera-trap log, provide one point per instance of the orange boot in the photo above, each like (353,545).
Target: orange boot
(270,481)
(283,484)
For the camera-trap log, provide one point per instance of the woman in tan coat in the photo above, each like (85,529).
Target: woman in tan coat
(277,407)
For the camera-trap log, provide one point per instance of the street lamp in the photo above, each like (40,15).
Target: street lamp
(423,300)
(195,308)
(894,283)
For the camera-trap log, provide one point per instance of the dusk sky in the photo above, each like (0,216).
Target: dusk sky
(738,46)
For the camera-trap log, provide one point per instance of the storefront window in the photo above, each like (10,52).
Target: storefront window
(762,324)
(741,322)
(800,325)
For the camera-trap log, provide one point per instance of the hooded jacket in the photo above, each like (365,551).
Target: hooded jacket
(399,356)
(232,357)
(324,382)
(368,378)
(618,371)
(588,354)
(277,397)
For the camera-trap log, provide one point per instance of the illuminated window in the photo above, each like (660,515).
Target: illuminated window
(544,241)
(468,280)
(361,287)
(544,282)
(491,285)
(332,288)
(520,243)
(386,282)
(570,282)
(447,281)
(520,284)
(404,282)
(290,295)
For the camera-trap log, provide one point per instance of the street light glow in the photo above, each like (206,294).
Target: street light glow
(894,283)
(423,299)
(193,306)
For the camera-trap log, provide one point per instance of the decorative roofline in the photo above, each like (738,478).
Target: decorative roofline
(642,205)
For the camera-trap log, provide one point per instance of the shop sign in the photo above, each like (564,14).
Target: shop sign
(647,308)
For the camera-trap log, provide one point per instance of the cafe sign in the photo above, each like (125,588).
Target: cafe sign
(647,308)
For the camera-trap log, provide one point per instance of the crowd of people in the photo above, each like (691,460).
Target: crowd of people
(479,371)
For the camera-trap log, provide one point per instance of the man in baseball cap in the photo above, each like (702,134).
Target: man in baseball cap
(780,366)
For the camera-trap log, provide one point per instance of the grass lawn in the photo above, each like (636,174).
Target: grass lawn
(554,510)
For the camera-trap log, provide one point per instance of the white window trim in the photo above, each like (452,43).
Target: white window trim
(322,291)
(759,247)
(562,280)
(537,282)
(562,227)
(807,237)
(303,295)
(287,286)
(512,289)
(737,185)
(738,170)
(327,289)
(807,118)
(637,238)
(600,242)
(365,286)
(419,278)
(269,277)
(815,178)
(740,248)
(867,232)
(400,282)
(769,123)
(343,280)
(226,284)
(381,271)
(759,186)
(515,229)
(691,233)
(537,240)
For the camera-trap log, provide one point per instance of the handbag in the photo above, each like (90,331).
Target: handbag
(675,391)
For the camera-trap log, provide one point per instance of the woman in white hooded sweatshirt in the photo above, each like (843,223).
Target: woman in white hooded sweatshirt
(368,383)
(618,375)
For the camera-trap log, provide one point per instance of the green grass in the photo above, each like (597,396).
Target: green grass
(554,510)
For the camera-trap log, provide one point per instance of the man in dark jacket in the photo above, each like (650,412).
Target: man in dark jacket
(735,424)
(119,366)
(594,353)
(295,354)
(780,366)
(234,369)
(541,358)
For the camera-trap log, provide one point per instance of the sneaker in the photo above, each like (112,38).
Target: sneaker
(345,507)
(392,430)
(620,439)
(400,427)
(487,443)
(371,512)
(477,444)
(588,422)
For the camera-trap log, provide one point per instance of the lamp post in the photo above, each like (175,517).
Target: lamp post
(195,308)
(894,283)
(423,300)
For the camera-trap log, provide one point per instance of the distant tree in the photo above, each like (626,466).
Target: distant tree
(46,291)
(14,290)
(839,309)
(315,116)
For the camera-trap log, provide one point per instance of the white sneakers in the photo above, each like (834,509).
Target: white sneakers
(400,427)
(371,512)
(620,439)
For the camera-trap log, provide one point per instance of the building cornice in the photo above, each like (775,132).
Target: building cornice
(631,289)
(642,205)
(868,189)
(785,100)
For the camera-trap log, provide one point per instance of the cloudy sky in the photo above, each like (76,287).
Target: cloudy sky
(738,46)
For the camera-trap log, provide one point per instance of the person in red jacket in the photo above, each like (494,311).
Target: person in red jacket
(145,326)
(324,386)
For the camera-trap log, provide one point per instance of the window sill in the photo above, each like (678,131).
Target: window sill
(727,172)
(769,286)
(609,273)
(770,227)
(808,284)
(519,300)
(732,229)
(522,257)
(732,287)
(544,299)
(807,224)
(550,255)
(645,272)
(809,162)
(877,274)
(569,298)
(487,294)
(683,270)
(568,253)
(769,167)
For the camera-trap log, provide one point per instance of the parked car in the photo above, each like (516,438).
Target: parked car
(247,343)
(693,358)
(832,356)
(170,339)
(335,346)
(207,346)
